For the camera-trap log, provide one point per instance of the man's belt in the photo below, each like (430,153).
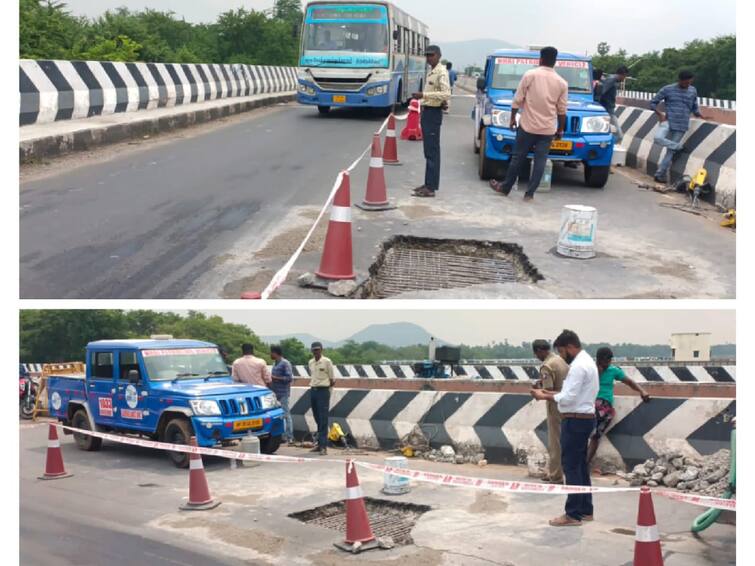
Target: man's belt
(585,416)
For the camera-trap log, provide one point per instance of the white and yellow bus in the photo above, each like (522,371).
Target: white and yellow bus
(360,54)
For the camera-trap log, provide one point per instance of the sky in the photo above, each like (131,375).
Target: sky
(577,25)
(479,327)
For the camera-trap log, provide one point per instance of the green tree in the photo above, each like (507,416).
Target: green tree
(603,49)
(295,351)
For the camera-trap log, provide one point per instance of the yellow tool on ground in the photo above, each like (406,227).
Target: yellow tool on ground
(337,436)
(699,186)
(730,219)
(408,451)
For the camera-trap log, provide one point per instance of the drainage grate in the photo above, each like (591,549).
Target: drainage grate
(387,518)
(408,264)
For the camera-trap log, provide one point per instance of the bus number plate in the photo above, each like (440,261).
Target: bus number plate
(339,99)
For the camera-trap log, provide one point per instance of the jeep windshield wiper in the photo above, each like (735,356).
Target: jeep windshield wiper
(215,374)
(180,375)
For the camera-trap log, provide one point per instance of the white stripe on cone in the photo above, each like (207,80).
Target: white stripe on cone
(354,492)
(53,443)
(647,534)
(376,162)
(340,214)
(390,133)
(196,464)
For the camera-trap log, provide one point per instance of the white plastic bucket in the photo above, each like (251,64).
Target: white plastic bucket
(545,182)
(579,226)
(396,485)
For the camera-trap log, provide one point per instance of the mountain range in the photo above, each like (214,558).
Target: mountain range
(473,52)
(394,334)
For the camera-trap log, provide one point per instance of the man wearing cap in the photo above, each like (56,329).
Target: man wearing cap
(435,98)
(607,97)
(321,382)
(552,375)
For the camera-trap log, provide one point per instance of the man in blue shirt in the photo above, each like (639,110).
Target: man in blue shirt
(282,374)
(606,97)
(680,101)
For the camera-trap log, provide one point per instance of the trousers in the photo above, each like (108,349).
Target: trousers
(524,142)
(555,469)
(320,398)
(575,436)
(431,121)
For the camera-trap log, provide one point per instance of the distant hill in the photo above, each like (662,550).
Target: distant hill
(395,335)
(473,52)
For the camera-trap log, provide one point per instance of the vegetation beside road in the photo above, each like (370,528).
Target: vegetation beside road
(62,336)
(49,31)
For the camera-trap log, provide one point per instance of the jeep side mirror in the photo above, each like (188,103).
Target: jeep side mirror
(133,376)
(481,84)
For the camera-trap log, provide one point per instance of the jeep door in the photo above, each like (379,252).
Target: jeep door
(133,393)
(102,390)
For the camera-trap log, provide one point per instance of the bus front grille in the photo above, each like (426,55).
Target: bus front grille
(340,85)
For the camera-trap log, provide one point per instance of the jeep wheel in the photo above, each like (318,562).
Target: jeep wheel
(270,444)
(597,177)
(178,431)
(477,139)
(84,441)
(489,168)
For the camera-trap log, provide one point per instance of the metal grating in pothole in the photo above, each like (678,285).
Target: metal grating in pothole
(410,264)
(387,518)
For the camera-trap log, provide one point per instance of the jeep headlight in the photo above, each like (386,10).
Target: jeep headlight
(203,407)
(500,118)
(596,125)
(269,401)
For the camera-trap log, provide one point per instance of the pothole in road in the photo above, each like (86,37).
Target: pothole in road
(387,518)
(409,264)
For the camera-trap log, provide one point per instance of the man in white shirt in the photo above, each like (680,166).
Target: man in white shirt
(576,403)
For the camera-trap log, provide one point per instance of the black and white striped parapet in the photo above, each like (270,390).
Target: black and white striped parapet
(65,90)
(724,374)
(709,145)
(713,373)
(509,426)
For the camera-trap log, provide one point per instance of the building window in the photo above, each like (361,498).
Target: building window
(696,354)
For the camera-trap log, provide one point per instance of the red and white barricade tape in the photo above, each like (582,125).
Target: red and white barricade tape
(450,480)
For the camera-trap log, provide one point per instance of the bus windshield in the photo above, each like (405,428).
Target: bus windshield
(508,72)
(346,35)
(185,363)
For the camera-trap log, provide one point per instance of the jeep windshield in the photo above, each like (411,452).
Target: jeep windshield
(185,363)
(508,71)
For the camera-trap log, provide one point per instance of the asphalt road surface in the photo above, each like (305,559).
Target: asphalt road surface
(120,508)
(215,210)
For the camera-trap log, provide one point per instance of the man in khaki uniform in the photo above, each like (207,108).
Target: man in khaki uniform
(435,98)
(552,375)
(321,383)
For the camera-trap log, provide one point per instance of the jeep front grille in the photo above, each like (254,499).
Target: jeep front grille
(232,407)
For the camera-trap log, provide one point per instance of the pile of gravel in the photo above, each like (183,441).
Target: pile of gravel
(708,475)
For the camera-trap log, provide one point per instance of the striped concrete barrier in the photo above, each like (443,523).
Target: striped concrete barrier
(711,373)
(509,426)
(708,145)
(678,373)
(67,90)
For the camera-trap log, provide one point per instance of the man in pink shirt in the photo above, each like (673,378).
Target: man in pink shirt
(542,98)
(251,369)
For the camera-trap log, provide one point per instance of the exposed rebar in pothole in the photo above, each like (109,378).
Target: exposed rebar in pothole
(410,264)
(388,519)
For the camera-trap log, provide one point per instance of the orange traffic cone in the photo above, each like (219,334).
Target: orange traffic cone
(390,150)
(199,491)
(413,129)
(251,296)
(376,197)
(54,469)
(337,257)
(359,534)
(647,545)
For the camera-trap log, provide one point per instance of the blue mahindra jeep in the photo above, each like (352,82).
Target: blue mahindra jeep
(587,137)
(167,390)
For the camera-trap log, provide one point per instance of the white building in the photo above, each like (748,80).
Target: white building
(691,346)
